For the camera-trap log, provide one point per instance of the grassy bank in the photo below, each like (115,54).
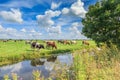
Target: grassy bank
(103,65)
(89,64)
(11,52)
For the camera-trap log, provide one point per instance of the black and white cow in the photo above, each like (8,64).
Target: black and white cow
(37,45)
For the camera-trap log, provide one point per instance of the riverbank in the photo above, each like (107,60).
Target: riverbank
(97,64)
(12,52)
(93,64)
(89,64)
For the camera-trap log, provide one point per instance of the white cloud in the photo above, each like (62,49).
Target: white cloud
(51,13)
(35,34)
(7,30)
(55,5)
(56,29)
(1,28)
(23,30)
(12,33)
(33,31)
(75,31)
(13,16)
(45,20)
(10,30)
(77,9)
(65,11)
(48,21)
(77,24)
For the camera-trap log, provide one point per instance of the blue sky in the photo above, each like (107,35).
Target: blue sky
(43,19)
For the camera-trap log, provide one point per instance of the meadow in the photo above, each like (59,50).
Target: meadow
(89,64)
(11,51)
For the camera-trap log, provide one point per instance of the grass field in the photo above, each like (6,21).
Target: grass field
(103,65)
(11,51)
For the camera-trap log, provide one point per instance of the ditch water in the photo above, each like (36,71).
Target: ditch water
(24,69)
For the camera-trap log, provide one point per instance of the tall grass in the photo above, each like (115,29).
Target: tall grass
(14,77)
(102,65)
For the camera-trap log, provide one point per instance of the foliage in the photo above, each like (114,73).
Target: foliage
(81,61)
(6,77)
(60,72)
(36,75)
(102,22)
(14,77)
(108,53)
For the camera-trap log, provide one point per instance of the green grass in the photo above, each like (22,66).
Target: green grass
(103,65)
(11,52)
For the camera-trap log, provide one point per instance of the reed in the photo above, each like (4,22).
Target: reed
(102,65)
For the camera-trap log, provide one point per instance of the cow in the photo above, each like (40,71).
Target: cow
(51,44)
(15,40)
(73,42)
(61,41)
(5,40)
(67,42)
(85,42)
(28,42)
(37,45)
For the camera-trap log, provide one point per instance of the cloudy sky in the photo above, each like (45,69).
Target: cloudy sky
(43,19)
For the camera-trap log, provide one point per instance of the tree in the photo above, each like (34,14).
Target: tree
(102,22)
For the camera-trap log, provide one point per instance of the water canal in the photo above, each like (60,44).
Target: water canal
(45,65)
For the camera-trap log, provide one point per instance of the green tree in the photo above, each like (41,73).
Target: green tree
(102,22)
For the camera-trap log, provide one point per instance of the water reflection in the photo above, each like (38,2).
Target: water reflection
(51,58)
(36,62)
(24,69)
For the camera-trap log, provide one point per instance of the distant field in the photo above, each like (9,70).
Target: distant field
(15,50)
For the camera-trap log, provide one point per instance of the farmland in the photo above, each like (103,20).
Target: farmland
(11,51)
(103,64)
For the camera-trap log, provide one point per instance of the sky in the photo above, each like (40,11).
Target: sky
(43,19)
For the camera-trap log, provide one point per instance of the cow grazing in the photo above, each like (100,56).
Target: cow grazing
(28,42)
(37,45)
(85,42)
(67,42)
(73,42)
(64,42)
(5,40)
(61,41)
(15,40)
(51,44)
